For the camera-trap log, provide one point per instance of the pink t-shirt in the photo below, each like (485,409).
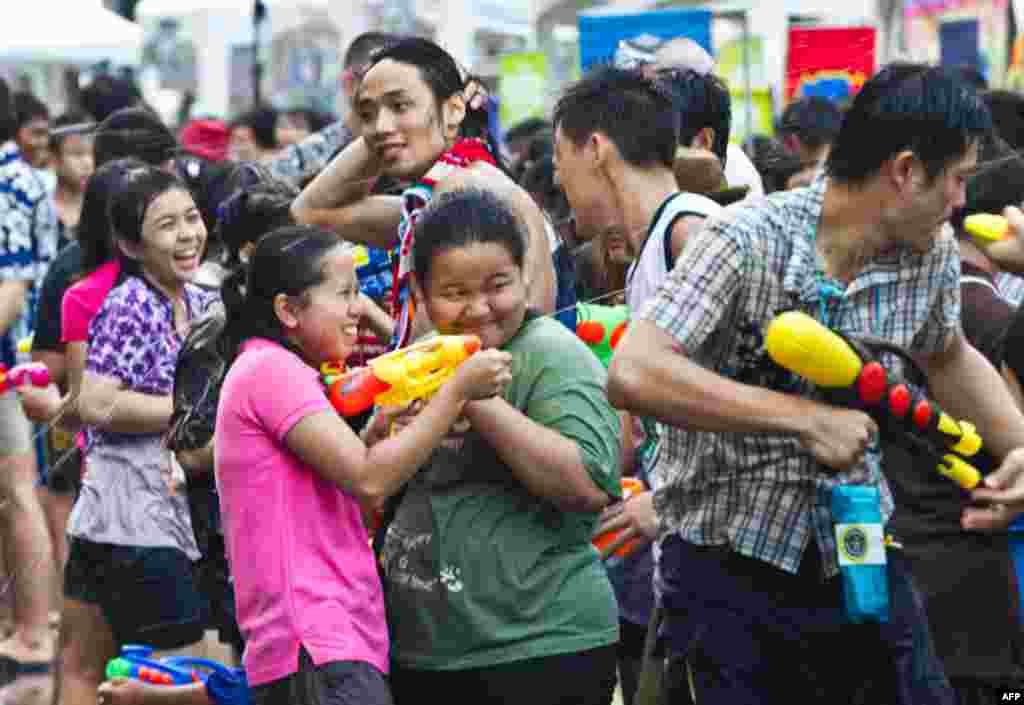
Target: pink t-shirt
(303,569)
(84,299)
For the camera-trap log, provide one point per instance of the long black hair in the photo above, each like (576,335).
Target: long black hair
(288,260)
(441,73)
(94,234)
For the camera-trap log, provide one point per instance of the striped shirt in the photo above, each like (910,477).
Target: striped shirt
(764,495)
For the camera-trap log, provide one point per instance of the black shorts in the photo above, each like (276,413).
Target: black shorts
(334,683)
(583,678)
(148,595)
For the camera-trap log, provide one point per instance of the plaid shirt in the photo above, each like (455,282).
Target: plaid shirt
(311,155)
(763,494)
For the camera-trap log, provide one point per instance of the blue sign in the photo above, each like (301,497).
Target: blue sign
(601,34)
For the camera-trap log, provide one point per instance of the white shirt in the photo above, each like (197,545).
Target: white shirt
(740,171)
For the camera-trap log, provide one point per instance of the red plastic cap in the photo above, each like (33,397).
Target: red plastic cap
(899,400)
(871,383)
(617,334)
(590,332)
(472,345)
(922,414)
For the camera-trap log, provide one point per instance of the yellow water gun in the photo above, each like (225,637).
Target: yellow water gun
(987,228)
(400,377)
(850,374)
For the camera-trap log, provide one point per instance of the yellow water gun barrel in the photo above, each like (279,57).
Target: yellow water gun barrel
(799,343)
(986,227)
(419,370)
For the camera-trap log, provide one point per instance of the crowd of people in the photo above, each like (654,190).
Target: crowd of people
(185,479)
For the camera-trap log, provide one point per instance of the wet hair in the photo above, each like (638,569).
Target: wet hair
(539,181)
(442,75)
(462,218)
(363,46)
(251,212)
(636,113)
(28,108)
(134,132)
(136,192)
(930,111)
(67,125)
(814,120)
(701,100)
(262,121)
(773,161)
(526,130)
(287,260)
(107,95)
(94,233)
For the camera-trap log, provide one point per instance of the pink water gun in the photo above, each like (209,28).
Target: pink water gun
(34,373)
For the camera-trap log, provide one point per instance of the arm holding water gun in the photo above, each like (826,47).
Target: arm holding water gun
(1001,236)
(850,373)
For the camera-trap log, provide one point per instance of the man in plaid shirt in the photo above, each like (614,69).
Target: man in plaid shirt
(747,566)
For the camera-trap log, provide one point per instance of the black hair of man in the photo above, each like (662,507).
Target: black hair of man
(814,120)
(701,100)
(363,46)
(262,121)
(634,112)
(927,110)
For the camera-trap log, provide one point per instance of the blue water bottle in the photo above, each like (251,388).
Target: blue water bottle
(860,547)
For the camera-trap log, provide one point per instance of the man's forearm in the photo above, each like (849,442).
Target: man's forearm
(345,180)
(681,393)
(12,302)
(967,386)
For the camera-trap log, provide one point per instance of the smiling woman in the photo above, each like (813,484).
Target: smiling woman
(422,122)
(130,533)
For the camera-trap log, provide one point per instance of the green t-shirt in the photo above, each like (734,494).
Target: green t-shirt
(477,570)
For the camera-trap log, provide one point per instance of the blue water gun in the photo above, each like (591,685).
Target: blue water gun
(226,686)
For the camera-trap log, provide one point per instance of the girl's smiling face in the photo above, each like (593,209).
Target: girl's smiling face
(173,239)
(475,289)
(324,321)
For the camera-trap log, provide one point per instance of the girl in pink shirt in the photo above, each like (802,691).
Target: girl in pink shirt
(292,474)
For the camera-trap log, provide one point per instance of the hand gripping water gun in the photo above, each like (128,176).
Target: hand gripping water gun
(987,228)
(605,541)
(225,686)
(601,328)
(34,373)
(852,376)
(399,377)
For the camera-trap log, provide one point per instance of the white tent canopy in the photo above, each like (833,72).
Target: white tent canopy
(68,31)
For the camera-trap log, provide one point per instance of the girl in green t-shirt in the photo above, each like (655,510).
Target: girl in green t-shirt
(493,589)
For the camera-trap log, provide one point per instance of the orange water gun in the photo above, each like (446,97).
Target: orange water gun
(400,377)
(606,541)
(849,372)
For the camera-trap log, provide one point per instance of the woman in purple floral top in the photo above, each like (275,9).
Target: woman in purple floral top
(128,577)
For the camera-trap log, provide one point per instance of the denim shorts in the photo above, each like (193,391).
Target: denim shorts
(755,634)
(148,595)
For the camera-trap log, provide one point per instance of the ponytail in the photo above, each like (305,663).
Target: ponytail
(285,261)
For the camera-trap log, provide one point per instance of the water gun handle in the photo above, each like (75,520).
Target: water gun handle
(611,543)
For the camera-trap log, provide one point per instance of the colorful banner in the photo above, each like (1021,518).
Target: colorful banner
(522,85)
(829,62)
(601,34)
(934,33)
